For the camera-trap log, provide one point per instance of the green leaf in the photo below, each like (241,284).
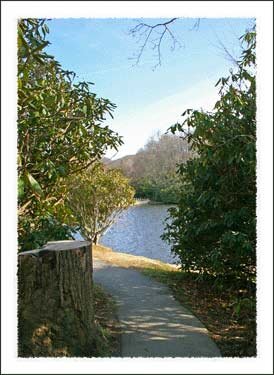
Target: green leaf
(20,187)
(34,184)
(39,59)
(85,109)
(42,46)
(62,170)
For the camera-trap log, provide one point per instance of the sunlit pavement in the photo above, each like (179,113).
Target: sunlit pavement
(153,323)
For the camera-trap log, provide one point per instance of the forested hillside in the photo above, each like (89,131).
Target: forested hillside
(153,169)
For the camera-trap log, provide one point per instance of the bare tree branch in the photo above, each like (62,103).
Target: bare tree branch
(144,32)
(196,25)
(228,54)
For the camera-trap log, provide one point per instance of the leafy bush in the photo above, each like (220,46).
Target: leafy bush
(213,229)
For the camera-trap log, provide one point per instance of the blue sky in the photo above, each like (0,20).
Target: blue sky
(100,51)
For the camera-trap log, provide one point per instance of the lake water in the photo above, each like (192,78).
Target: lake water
(138,231)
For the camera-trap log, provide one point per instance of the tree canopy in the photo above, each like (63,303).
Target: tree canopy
(156,168)
(97,197)
(60,130)
(213,229)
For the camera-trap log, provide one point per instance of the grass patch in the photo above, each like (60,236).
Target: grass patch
(107,324)
(129,261)
(228,313)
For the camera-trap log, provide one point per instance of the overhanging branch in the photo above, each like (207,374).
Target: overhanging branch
(145,31)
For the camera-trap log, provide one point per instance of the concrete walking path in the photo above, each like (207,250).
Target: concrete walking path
(153,323)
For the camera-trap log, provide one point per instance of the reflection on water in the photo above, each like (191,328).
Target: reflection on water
(138,232)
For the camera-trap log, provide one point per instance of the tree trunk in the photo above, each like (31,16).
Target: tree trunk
(55,302)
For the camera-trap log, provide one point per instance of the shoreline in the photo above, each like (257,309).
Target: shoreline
(128,260)
(139,202)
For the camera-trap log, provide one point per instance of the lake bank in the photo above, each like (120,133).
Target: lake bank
(138,202)
(130,261)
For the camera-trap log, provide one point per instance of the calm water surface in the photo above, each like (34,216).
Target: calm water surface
(138,232)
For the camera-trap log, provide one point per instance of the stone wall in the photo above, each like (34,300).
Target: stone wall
(55,302)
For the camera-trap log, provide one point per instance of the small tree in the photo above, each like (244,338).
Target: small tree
(97,197)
